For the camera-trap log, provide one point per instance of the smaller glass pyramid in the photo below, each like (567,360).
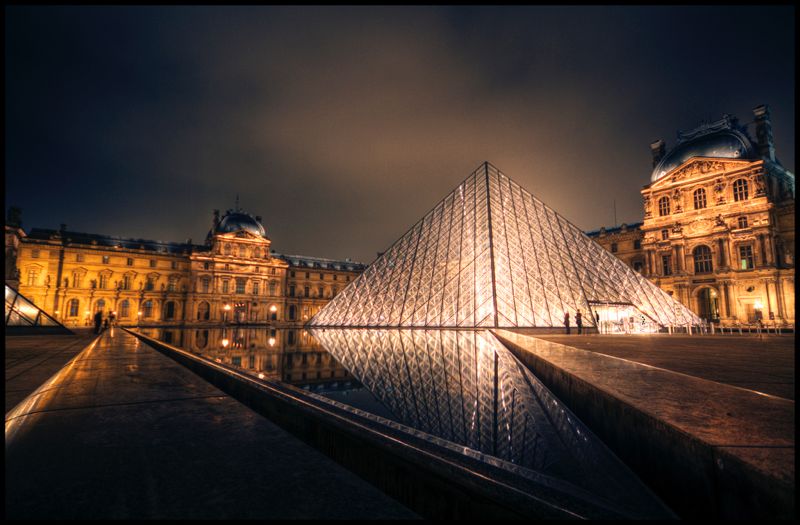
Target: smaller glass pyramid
(22,313)
(490,254)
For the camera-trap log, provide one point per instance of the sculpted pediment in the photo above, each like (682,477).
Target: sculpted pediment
(700,167)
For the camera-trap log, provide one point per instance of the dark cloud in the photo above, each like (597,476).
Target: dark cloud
(342,126)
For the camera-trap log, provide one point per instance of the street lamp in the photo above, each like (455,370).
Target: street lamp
(227,309)
(138,317)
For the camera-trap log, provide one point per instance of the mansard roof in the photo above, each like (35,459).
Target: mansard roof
(110,241)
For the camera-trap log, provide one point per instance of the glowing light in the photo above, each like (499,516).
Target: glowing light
(225,343)
(271,341)
(57,311)
(261,376)
(138,313)
(273,308)
(759,305)
(226,307)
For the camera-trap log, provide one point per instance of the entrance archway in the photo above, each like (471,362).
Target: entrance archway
(708,304)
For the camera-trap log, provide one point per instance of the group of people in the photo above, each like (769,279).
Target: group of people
(578,321)
(101,323)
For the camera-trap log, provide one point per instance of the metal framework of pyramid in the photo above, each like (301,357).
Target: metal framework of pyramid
(490,254)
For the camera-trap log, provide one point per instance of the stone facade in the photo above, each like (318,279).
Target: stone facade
(234,277)
(718,228)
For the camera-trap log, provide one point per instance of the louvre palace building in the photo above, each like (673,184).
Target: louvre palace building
(718,226)
(234,276)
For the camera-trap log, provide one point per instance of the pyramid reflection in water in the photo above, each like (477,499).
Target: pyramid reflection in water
(465,387)
(490,254)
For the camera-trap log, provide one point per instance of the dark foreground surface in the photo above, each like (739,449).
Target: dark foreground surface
(125,432)
(31,359)
(764,364)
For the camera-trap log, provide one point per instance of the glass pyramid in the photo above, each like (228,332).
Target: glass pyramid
(490,254)
(22,313)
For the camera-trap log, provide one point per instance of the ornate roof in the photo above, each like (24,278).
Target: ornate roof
(721,139)
(238,220)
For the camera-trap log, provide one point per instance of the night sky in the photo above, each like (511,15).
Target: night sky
(341,127)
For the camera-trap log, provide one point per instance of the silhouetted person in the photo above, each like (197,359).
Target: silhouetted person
(111,318)
(98,321)
(566,322)
(579,321)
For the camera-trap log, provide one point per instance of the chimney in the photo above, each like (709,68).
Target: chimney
(766,146)
(215,222)
(658,149)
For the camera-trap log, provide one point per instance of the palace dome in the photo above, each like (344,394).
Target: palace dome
(727,143)
(235,221)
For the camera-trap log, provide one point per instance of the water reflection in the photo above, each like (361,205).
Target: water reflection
(289,356)
(466,387)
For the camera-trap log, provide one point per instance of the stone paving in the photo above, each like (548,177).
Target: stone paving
(125,432)
(764,364)
(31,359)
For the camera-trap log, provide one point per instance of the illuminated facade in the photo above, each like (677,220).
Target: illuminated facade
(490,254)
(718,228)
(233,277)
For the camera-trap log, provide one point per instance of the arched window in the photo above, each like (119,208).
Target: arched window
(74,305)
(169,310)
(702,260)
(147,308)
(256,253)
(740,190)
(242,251)
(699,199)
(227,249)
(124,308)
(203,310)
(99,305)
(663,206)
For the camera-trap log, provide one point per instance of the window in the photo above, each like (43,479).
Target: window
(76,280)
(699,199)
(291,290)
(322,276)
(105,259)
(334,277)
(240,284)
(152,263)
(273,288)
(320,291)
(663,206)
(742,221)
(172,285)
(35,254)
(103,281)
(124,308)
(256,253)
(702,260)
(147,308)
(292,313)
(225,286)
(149,284)
(126,282)
(99,305)
(79,257)
(740,190)
(306,292)
(205,283)
(637,244)
(637,265)
(227,249)
(746,260)
(169,310)
(74,305)
(292,274)
(242,251)
(335,291)
(308,275)
(206,266)
(129,261)
(174,265)
(613,247)
(664,235)
(255,288)
(666,264)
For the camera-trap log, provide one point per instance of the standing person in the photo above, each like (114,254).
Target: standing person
(566,321)
(98,321)
(111,318)
(579,322)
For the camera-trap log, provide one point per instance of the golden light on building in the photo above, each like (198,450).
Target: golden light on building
(225,343)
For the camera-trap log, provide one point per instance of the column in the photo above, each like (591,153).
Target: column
(721,248)
(725,300)
(763,254)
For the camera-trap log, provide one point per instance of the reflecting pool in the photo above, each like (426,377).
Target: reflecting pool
(462,388)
